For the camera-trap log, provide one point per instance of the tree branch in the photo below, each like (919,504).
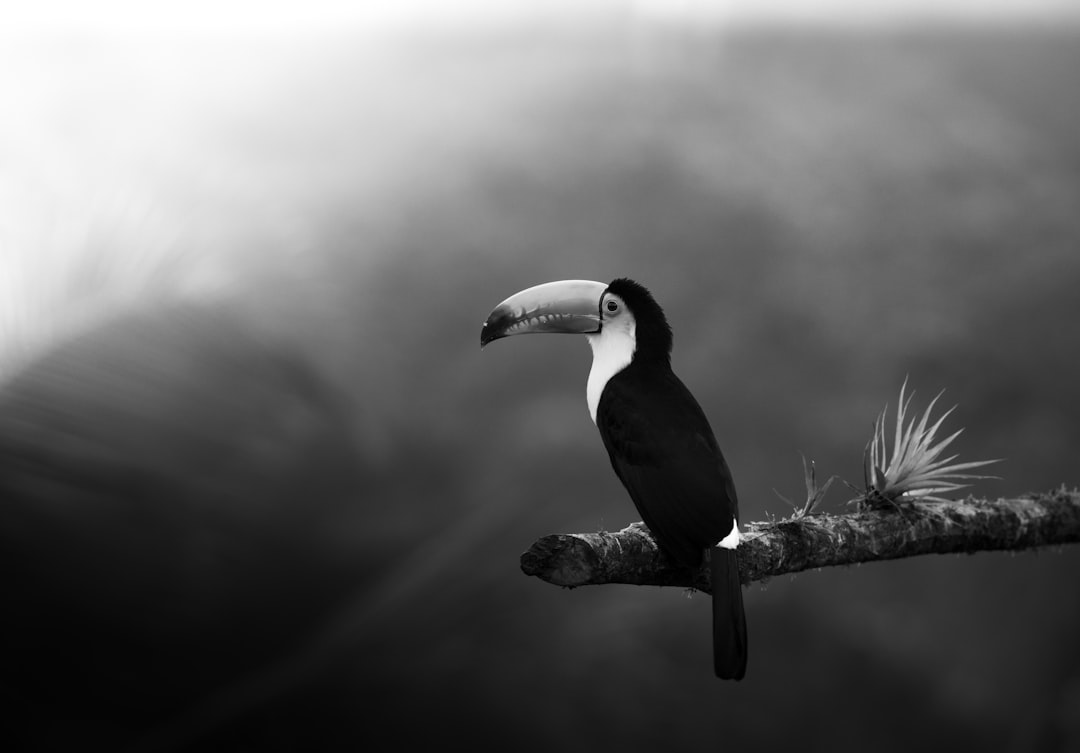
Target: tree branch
(789,546)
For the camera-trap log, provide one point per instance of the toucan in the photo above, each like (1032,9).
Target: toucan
(660,443)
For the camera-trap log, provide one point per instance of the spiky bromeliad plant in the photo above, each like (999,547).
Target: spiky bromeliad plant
(814,492)
(912,471)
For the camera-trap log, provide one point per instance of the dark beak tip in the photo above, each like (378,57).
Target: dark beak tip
(487,335)
(494,327)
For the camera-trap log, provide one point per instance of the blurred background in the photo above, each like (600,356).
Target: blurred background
(261,490)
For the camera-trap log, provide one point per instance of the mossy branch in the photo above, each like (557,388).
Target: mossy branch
(790,546)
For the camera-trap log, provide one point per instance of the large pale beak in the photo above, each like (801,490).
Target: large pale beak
(571,306)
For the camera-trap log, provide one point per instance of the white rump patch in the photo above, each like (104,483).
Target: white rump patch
(612,350)
(731,541)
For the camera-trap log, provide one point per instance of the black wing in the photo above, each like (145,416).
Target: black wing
(664,452)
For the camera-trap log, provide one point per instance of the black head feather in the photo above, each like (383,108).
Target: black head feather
(654,338)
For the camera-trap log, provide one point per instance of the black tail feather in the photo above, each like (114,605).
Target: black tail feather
(729,619)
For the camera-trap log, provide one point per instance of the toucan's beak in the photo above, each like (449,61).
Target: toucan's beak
(565,306)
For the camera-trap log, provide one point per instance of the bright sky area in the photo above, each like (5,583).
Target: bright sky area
(292,15)
(135,138)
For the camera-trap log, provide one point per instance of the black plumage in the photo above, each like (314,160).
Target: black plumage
(665,453)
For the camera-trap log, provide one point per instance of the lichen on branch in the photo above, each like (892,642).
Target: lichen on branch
(631,556)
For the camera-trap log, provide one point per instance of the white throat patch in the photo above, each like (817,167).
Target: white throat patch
(612,350)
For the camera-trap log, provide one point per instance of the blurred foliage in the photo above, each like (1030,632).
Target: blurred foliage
(820,214)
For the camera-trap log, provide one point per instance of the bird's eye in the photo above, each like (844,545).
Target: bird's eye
(612,306)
